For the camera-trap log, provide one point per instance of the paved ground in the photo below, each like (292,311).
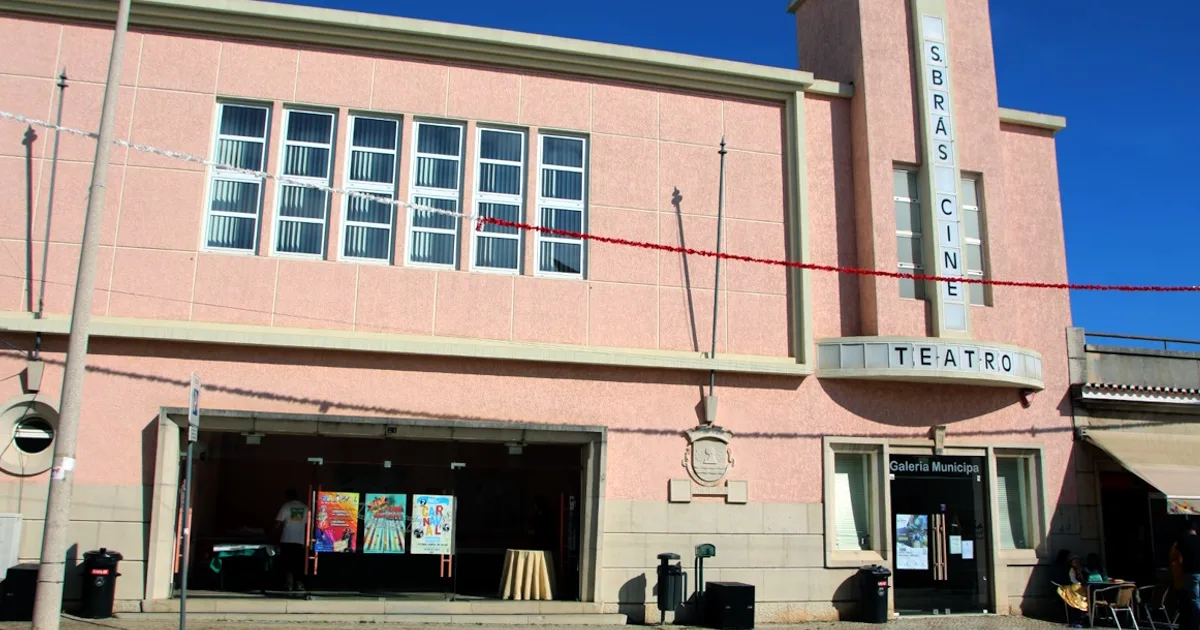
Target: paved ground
(921,623)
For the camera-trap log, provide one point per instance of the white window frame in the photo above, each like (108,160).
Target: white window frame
(1032,495)
(517,200)
(877,505)
(370,188)
(919,285)
(323,181)
(415,191)
(564,204)
(215,173)
(976,182)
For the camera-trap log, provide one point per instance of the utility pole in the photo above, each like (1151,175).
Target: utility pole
(47,607)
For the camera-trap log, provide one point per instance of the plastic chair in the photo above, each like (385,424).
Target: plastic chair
(1153,599)
(1066,607)
(1116,599)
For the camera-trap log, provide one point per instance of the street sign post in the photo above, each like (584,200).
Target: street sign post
(193,435)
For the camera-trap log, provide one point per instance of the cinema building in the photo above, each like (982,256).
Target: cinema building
(556,387)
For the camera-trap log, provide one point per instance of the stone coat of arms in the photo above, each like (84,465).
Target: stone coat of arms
(708,457)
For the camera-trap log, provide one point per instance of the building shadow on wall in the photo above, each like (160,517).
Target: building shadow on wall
(631,599)
(677,203)
(901,404)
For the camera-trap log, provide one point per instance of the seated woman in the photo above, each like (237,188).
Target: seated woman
(1073,592)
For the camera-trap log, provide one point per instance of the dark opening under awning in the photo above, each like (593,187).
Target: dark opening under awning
(1169,462)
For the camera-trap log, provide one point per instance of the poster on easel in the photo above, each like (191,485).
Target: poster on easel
(912,542)
(383,524)
(432,522)
(337,522)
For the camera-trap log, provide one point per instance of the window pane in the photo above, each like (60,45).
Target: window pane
(496,253)
(851,499)
(231,232)
(368,211)
(908,249)
(306,162)
(978,294)
(908,216)
(243,121)
(501,211)
(367,242)
(974,258)
(428,219)
(566,220)
(438,139)
(241,197)
(309,127)
(562,152)
(904,184)
(910,288)
(240,154)
(562,184)
(374,133)
(1011,494)
(297,237)
(437,173)
(431,247)
(500,145)
(297,201)
(971,223)
(970,192)
(372,167)
(561,257)
(499,178)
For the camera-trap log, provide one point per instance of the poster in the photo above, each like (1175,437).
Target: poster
(432,521)
(383,523)
(912,542)
(956,543)
(337,522)
(968,549)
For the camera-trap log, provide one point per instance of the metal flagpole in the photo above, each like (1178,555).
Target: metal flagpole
(193,435)
(47,606)
(712,374)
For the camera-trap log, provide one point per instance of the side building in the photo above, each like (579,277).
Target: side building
(557,386)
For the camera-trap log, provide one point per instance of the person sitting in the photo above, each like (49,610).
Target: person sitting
(1072,590)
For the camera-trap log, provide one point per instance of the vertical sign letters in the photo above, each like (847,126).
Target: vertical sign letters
(941,162)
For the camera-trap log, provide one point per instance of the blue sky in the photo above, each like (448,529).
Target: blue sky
(1127,79)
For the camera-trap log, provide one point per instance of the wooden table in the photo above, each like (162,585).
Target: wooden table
(528,574)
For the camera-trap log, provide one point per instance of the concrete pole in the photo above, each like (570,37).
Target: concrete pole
(47,607)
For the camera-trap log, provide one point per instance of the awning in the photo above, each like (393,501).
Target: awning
(1169,462)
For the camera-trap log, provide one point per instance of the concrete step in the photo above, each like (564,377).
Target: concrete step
(560,619)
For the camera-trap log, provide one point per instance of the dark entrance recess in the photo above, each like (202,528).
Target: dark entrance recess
(509,497)
(945,497)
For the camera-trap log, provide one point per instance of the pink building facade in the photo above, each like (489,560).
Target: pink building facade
(329,326)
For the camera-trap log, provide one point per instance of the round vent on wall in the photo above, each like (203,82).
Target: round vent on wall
(30,426)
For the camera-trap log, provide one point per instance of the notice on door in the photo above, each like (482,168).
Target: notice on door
(433,518)
(968,548)
(912,542)
(337,522)
(956,545)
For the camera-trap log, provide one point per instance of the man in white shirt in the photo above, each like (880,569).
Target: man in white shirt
(292,521)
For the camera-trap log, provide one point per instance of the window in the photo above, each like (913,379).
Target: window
(1014,495)
(852,497)
(436,182)
(909,249)
(234,199)
(973,231)
(499,184)
(366,223)
(561,205)
(302,210)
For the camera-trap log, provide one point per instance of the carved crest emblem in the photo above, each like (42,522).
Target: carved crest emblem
(708,456)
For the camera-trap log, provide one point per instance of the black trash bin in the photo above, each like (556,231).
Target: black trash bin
(670,583)
(99,583)
(873,593)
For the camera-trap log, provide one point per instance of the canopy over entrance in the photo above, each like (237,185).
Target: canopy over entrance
(1169,462)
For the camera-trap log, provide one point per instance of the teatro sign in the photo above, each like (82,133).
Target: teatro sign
(929,360)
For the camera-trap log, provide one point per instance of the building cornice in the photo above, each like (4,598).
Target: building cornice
(310,26)
(352,341)
(1033,119)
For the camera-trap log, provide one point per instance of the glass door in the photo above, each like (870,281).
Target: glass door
(939,531)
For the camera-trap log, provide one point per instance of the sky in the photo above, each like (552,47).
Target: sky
(1126,77)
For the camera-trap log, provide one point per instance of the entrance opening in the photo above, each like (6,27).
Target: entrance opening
(527,498)
(940,533)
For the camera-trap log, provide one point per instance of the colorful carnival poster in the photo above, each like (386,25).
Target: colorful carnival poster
(912,542)
(383,525)
(337,522)
(433,520)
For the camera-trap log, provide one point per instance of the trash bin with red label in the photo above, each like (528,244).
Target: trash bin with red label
(99,583)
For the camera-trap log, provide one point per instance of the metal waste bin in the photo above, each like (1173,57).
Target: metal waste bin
(99,583)
(670,583)
(873,593)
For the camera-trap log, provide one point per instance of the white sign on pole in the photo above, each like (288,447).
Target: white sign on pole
(194,409)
